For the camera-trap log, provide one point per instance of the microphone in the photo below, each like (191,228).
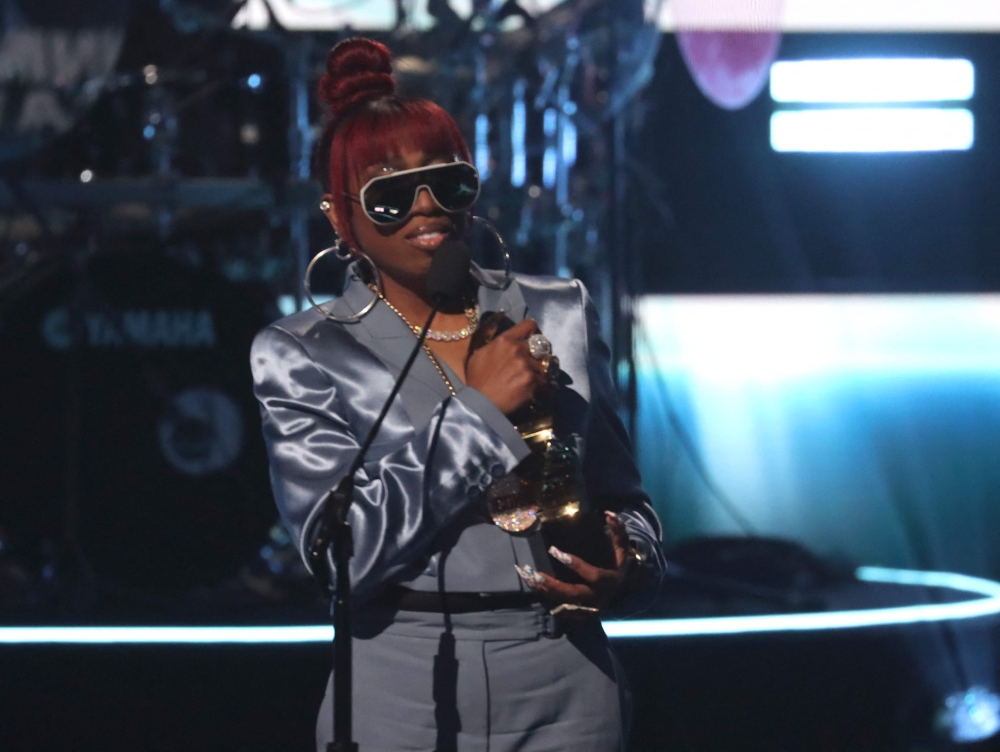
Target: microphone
(449,272)
(446,279)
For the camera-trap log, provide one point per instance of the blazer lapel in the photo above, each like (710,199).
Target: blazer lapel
(383,332)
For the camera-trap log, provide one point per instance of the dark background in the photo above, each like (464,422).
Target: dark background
(748,219)
(96,529)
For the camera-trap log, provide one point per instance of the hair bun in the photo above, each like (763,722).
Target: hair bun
(357,70)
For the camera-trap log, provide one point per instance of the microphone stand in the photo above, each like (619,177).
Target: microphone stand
(335,532)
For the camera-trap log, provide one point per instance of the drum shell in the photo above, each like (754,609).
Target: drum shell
(130,429)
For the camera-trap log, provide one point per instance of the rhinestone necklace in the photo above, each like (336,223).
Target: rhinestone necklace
(471,313)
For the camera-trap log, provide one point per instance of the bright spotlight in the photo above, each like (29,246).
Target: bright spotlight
(971,716)
(895,129)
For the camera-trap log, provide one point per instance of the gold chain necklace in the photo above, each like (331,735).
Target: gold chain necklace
(471,313)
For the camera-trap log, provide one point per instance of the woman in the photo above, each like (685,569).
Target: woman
(456,643)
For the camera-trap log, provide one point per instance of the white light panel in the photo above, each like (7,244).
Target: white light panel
(317,15)
(719,15)
(873,130)
(986,605)
(369,15)
(872,80)
(737,340)
(831,15)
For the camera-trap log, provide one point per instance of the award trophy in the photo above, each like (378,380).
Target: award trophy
(545,491)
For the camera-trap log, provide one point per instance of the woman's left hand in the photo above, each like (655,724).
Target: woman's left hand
(599,586)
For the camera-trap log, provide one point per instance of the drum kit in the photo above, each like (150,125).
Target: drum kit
(134,477)
(131,437)
(142,224)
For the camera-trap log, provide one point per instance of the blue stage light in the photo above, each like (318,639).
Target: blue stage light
(254,81)
(569,143)
(873,80)
(483,145)
(518,135)
(549,164)
(971,716)
(550,121)
(148,132)
(871,130)
(988,605)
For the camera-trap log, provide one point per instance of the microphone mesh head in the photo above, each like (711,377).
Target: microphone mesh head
(449,271)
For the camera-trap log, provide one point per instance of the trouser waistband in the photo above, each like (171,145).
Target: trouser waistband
(401,598)
(526,623)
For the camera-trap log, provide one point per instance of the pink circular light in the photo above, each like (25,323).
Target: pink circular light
(730,67)
(728,45)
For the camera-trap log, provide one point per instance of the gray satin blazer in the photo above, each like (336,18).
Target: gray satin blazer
(418,514)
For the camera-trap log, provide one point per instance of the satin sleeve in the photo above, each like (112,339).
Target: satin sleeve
(610,473)
(403,497)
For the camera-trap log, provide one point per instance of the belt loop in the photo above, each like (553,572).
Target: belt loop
(550,625)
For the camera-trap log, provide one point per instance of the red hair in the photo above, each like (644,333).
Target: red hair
(369,123)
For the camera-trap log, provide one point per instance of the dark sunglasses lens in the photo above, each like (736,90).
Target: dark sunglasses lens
(389,199)
(456,187)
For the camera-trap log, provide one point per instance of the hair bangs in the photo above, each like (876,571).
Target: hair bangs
(377,134)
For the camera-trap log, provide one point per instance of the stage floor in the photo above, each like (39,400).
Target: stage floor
(791,682)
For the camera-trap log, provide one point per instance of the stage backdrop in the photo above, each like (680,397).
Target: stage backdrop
(864,426)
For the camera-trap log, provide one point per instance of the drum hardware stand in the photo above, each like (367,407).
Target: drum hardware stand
(75,577)
(299,150)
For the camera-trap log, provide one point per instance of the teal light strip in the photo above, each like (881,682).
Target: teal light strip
(165,635)
(878,617)
(986,605)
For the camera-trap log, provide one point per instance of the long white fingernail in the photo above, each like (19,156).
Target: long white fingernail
(531,578)
(562,558)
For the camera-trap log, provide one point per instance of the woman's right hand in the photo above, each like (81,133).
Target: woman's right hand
(504,370)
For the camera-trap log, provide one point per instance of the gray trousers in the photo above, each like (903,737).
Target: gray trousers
(498,681)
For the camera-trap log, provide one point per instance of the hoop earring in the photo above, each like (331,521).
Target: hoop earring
(339,250)
(506,258)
